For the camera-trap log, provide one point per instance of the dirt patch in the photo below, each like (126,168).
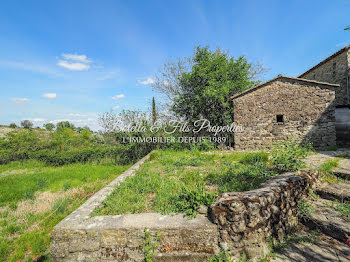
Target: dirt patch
(43,201)
(16,172)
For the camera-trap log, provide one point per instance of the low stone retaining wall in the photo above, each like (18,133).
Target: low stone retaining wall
(80,237)
(242,222)
(247,220)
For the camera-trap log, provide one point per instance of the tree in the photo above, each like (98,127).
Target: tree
(49,126)
(81,129)
(205,90)
(13,125)
(26,124)
(154,111)
(65,124)
(167,79)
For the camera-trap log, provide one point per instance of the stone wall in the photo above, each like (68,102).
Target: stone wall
(307,108)
(247,220)
(238,222)
(324,73)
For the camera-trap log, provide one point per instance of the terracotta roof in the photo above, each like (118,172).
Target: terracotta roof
(279,77)
(326,60)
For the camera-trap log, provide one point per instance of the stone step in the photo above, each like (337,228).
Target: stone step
(342,173)
(322,249)
(336,191)
(328,220)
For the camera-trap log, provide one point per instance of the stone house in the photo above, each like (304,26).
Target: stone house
(335,69)
(314,106)
(285,107)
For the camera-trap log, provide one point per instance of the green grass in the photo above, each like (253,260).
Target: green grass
(35,197)
(178,182)
(328,165)
(344,209)
(326,173)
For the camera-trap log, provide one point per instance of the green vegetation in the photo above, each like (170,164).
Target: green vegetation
(287,155)
(325,171)
(179,182)
(328,165)
(174,182)
(65,146)
(344,209)
(305,209)
(149,246)
(223,256)
(35,197)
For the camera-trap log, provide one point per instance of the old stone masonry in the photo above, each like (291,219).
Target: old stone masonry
(313,106)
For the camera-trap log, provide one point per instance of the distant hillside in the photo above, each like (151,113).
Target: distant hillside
(5,129)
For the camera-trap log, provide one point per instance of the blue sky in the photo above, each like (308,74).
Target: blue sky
(71,60)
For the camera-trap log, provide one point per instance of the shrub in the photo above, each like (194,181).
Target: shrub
(288,155)
(13,125)
(189,200)
(18,144)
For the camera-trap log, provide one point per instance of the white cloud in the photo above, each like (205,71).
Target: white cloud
(35,119)
(76,114)
(73,66)
(148,81)
(116,108)
(19,100)
(76,57)
(74,62)
(118,96)
(50,95)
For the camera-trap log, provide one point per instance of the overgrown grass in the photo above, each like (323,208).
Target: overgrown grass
(179,182)
(34,198)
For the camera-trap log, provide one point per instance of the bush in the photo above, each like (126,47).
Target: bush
(119,154)
(18,144)
(288,155)
(13,125)
(189,200)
